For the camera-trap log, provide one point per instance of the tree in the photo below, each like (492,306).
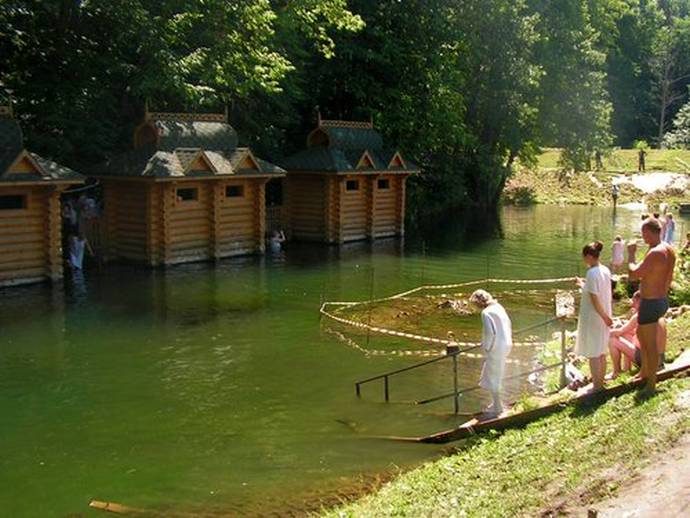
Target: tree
(81,71)
(679,137)
(671,68)
(574,108)
(629,75)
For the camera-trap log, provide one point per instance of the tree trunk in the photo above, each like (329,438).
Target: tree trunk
(665,94)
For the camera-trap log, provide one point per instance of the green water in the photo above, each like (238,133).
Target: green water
(217,388)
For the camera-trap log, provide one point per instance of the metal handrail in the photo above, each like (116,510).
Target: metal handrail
(477,387)
(415,366)
(454,355)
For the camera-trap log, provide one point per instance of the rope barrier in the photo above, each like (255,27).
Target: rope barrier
(423,353)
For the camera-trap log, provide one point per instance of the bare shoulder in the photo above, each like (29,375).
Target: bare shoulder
(657,253)
(671,251)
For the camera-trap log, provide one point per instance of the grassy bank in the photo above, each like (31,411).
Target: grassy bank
(625,160)
(548,183)
(574,457)
(551,186)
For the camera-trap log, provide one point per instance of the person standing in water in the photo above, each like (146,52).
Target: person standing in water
(617,254)
(655,274)
(77,244)
(497,340)
(670,229)
(615,191)
(595,321)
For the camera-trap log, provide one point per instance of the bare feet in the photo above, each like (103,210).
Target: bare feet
(491,411)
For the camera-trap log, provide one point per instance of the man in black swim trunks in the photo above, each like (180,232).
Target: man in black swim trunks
(655,274)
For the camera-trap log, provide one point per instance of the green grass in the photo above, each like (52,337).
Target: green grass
(579,453)
(576,456)
(675,160)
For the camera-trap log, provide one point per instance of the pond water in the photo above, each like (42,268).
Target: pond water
(216,388)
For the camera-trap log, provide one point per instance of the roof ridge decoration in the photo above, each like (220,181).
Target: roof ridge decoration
(186,117)
(325,123)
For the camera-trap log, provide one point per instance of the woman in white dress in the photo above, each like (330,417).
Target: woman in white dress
(595,321)
(497,340)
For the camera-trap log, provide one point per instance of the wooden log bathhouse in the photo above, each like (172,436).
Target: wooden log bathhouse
(186,192)
(30,210)
(346,185)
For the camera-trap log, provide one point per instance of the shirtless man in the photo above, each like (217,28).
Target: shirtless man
(655,274)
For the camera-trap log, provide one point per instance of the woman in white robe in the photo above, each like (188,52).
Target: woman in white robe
(497,340)
(594,324)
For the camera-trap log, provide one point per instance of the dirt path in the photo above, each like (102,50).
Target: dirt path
(661,489)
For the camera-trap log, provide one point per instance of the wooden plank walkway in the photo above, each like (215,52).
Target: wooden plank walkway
(476,425)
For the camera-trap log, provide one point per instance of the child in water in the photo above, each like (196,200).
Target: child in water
(617,254)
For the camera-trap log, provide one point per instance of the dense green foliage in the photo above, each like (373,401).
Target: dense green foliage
(679,137)
(465,87)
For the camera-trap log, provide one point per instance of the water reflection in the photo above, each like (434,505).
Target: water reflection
(156,387)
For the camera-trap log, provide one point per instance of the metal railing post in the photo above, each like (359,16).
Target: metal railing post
(385,388)
(455,383)
(358,390)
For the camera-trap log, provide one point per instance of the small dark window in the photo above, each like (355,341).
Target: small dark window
(384,184)
(187,194)
(352,185)
(13,202)
(234,191)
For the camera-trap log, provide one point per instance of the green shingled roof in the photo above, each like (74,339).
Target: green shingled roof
(353,138)
(179,143)
(342,150)
(215,136)
(11,147)
(150,162)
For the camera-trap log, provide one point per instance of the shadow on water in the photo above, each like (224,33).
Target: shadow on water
(455,230)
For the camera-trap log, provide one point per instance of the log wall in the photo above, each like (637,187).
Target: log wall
(125,206)
(387,210)
(308,207)
(355,209)
(170,229)
(31,237)
(321,208)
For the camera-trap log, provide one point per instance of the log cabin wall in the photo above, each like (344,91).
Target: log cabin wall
(190,222)
(241,217)
(177,222)
(387,215)
(30,235)
(355,207)
(126,205)
(308,207)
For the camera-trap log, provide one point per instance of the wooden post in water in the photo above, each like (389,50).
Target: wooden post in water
(453,349)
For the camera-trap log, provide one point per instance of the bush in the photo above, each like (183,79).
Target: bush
(519,192)
(679,293)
